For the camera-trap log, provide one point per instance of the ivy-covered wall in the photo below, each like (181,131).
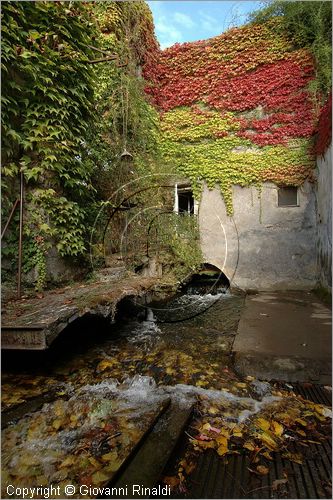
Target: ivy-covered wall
(72,100)
(236,109)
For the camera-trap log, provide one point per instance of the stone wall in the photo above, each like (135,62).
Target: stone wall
(263,246)
(324,218)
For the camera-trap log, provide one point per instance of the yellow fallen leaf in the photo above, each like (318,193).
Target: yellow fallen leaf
(104,364)
(70,460)
(263,424)
(294,457)
(267,455)
(107,457)
(277,428)
(268,440)
(212,410)
(222,441)
(262,470)
(95,462)
(206,427)
(249,446)
(99,477)
(205,444)
(113,465)
(56,424)
(241,385)
(222,450)
(300,421)
(301,433)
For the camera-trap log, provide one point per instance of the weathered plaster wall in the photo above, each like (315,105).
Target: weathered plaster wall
(262,246)
(324,218)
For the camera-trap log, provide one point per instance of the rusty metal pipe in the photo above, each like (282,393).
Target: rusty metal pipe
(10,217)
(19,270)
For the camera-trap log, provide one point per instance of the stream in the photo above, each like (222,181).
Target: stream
(74,413)
(186,340)
(60,407)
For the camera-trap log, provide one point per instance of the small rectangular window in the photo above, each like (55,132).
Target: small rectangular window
(288,196)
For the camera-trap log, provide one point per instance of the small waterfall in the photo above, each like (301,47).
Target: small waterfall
(150,315)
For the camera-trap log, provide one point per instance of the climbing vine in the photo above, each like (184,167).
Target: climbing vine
(236,109)
(63,117)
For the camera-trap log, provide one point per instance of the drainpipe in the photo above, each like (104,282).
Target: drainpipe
(19,271)
(176,205)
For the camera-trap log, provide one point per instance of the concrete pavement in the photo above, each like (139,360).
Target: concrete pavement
(285,335)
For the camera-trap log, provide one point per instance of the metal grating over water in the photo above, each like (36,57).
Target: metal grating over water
(230,477)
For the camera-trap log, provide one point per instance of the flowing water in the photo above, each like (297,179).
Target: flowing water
(74,413)
(187,340)
(60,406)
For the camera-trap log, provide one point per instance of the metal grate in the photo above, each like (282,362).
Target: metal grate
(229,477)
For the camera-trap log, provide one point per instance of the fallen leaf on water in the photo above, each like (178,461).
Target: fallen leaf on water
(249,446)
(262,470)
(99,477)
(104,364)
(70,460)
(263,424)
(107,457)
(277,428)
(267,455)
(300,421)
(56,424)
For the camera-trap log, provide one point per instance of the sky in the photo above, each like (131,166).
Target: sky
(186,21)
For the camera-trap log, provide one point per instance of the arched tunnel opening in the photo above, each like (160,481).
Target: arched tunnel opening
(207,279)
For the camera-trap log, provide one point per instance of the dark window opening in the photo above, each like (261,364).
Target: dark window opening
(287,196)
(185,202)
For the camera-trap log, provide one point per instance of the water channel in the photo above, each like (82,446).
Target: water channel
(73,414)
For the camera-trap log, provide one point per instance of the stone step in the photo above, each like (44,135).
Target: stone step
(147,465)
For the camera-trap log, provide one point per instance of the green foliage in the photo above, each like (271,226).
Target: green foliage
(309,24)
(66,122)
(192,145)
(47,89)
